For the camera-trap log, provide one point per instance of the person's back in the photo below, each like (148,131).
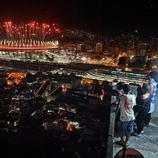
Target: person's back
(126,123)
(145,98)
(127,101)
(139,95)
(144,107)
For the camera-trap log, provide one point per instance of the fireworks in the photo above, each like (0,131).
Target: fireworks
(27,35)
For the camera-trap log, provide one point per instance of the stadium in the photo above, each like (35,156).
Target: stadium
(29,36)
(31,41)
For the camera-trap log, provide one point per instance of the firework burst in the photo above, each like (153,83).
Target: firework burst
(29,35)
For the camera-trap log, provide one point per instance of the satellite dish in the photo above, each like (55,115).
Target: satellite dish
(128,153)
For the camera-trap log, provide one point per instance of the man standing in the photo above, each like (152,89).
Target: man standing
(126,123)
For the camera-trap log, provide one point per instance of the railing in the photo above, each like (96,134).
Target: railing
(109,150)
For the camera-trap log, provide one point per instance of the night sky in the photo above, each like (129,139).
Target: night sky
(103,16)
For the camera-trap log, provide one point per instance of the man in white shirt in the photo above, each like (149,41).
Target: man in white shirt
(126,122)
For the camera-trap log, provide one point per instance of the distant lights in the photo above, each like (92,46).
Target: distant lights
(83,58)
(132,56)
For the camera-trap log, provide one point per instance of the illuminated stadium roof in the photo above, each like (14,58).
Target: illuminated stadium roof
(29,36)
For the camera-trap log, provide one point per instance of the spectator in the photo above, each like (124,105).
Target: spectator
(153,78)
(119,88)
(144,105)
(126,123)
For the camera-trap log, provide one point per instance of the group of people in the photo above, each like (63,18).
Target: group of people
(134,112)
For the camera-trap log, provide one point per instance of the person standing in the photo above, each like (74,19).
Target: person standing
(143,102)
(153,78)
(126,123)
